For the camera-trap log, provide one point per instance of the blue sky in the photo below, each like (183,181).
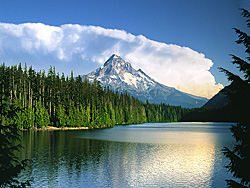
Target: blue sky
(204,26)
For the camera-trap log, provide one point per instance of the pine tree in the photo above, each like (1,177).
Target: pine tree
(88,116)
(41,116)
(71,118)
(239,96)
(10,166)
(62,119)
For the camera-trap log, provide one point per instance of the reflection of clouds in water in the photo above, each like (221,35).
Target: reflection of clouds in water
(173,165)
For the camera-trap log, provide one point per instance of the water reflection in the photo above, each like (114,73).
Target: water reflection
(153,156)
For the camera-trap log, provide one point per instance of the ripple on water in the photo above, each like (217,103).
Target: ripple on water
(182,155)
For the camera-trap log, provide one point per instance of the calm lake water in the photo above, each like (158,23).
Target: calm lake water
(146,155)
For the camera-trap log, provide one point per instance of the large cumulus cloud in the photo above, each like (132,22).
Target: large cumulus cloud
(172,65)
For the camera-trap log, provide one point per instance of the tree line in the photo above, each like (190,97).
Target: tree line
(216,114)
(58,100)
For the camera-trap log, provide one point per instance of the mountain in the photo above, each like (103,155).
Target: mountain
(120,75)
(219,100)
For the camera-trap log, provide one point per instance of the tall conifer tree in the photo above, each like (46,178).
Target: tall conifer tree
(239,95)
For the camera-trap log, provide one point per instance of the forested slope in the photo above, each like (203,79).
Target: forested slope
(39,99)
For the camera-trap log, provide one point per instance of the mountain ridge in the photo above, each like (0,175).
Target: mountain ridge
(120,75)
(219,100)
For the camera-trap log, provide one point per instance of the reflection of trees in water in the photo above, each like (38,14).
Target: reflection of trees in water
(62,159)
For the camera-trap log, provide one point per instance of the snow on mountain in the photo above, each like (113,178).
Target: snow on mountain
(120,75)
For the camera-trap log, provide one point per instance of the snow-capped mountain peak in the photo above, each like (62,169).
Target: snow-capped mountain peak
(116,61)
(120,75)
(123,71)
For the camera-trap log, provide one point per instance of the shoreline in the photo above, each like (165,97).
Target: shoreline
(51,128)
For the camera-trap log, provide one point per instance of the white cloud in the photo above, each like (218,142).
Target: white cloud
(172,65)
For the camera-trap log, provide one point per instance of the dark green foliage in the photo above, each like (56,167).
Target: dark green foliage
(10,166)
(224,114)
(41,116)
(239,96)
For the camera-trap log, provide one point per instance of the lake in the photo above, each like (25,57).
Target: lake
(145,155)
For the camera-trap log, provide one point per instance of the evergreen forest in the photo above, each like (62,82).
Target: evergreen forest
(40,100)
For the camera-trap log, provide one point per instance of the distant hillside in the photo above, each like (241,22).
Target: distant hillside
(219,100)
(216,109)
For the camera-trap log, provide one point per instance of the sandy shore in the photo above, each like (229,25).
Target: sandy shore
(50,128)
(65,128)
